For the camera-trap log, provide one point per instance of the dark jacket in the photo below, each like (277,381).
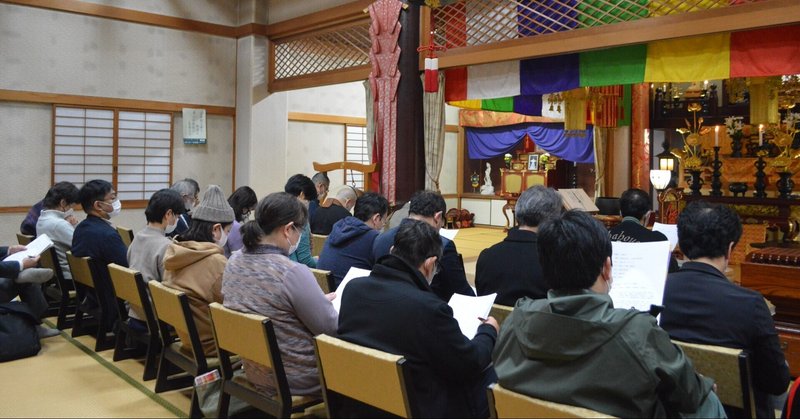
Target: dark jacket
(28,225)
(702,306)
(394,311)
(182,225)
(325,217)
(9,269)
(451,279)
(577,349)
(511,269)
(348,245)
(631,231)
(96,238)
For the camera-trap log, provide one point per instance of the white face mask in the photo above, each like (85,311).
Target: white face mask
(116,208)
(223,239)
(293,247)
(171,227)
(69,213)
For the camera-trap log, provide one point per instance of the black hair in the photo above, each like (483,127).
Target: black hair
(427,203)
(706,230)
(370,204)
(61,190)
(301,183)
(91,191)
(200,231)
(416,241)
(275,210)
(241,199)
(162,201)
(634,203)
(572,250)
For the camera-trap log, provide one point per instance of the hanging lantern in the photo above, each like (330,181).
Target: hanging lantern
(764,100)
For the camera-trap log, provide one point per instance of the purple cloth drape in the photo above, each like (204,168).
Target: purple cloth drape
(485,143)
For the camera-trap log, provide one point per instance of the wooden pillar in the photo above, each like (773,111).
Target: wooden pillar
(640,146)
(410,130)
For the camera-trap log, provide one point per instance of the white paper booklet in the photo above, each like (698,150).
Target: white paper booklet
(669,230)
(467,311)
(351,274)
(33,249)
(450,234)
(639,271)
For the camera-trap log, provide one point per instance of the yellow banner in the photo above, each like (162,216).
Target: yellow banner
(695,58)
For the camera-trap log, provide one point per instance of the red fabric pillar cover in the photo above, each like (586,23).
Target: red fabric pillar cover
(640,146)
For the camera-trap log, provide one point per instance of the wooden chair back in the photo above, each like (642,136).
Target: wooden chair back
(126,234)
(379,381)
(124,280)
(317,243)
(730,369)
(244,334)
(49,259)
(324,280)
(500,312)
(172,307)
(505,403)
(24,239)
(80,269)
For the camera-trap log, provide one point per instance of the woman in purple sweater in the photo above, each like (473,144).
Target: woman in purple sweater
(261,279)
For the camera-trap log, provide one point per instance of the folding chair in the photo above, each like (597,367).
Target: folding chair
(126,234)
(83,277)
(130,286)
(67,300)
(317,243)
(252,337)
(730,369)
(24,239)
(378,381)
(171,308)
(505,403)
(500,312)
(324,279)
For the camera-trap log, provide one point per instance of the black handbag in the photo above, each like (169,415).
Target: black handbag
(18,336)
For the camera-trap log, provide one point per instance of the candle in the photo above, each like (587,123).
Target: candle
(716,136)
(760,135)
(705,84)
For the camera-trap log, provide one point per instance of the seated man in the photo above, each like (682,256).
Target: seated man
(702,306)
(429,207)
(146,252)
(350,242)
(575,348)
(97,238)
(58,221)
(189,190)
(511,268)
(394,310)
(337,206)
(635,207)
(321,183)
(24,280)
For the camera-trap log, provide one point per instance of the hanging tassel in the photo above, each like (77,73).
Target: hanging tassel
(431,75)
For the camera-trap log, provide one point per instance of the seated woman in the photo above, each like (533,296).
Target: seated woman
(262,279)
(302,188)
(243,200)
(194,264)
(58,221)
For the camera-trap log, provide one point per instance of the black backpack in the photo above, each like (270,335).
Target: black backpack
(18,336)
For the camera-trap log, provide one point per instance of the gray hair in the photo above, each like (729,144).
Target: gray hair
(345,193)
(536,205)
(186,187)
(321,178)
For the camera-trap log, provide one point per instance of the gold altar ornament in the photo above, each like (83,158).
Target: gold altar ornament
(692,153)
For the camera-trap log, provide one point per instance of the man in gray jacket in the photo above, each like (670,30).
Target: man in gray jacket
(575,348)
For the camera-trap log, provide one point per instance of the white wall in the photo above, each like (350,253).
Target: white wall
(280,10)
(223,12)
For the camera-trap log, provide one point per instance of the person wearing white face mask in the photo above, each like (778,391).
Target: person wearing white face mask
(97,238)
(243,200)
(195,262)
(57,220)
(146,252)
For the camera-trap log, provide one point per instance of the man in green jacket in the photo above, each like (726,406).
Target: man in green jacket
(575,348)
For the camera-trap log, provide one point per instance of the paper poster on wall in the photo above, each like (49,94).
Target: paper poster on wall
(194,126)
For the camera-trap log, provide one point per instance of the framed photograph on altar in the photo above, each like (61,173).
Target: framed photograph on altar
(533,162)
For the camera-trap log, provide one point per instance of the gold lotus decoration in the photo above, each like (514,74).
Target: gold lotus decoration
(783,140)
(692,153)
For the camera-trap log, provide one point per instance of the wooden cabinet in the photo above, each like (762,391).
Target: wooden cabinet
(514,182)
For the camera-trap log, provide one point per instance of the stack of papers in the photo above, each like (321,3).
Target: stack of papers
(639,272)
(32,249)
(352,274)
(469,310)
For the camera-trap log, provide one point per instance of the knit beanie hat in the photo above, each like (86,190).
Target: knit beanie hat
(214,207)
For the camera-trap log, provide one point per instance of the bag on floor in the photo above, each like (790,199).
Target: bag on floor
(208,387)
(18,336)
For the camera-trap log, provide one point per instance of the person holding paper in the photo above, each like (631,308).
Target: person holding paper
(350,243)
(430,207)
(511,268)
(394,310)
(262,279)
(702,306)
(22,278)
(575,348)
(635,207)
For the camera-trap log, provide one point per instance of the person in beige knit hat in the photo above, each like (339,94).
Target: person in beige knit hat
(195,262)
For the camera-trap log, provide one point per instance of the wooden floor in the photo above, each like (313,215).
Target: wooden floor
(68,379)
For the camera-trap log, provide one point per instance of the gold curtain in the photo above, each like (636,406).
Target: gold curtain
(764,100)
